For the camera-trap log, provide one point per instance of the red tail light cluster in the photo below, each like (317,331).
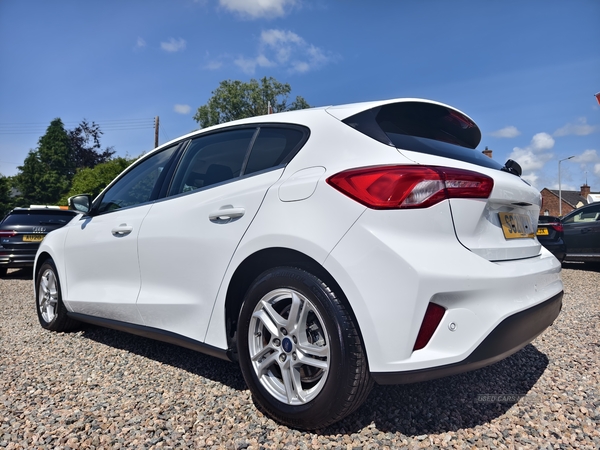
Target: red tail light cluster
(555,225)
(401,187)
(9,233)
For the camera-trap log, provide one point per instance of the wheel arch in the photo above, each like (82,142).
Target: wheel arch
(259,262)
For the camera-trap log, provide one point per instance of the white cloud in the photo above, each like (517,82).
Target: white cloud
(581,128)
(541,141)
(597,169)
(214,65)
(140,43)
(182,109)
(588,156)
(284,49)
(254,9)
(506,132)
(534,156)
(173,45)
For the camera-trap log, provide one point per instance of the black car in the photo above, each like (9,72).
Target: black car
(550,234)
(582,233)
(22,230)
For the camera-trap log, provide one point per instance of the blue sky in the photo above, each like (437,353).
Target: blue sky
(525,71)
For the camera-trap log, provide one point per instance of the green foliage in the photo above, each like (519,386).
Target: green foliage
(44,175)
(85,148)
(234,100)
(48,172)
(93,181)
(5,200)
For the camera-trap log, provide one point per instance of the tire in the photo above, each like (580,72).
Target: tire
(299,350)
(50,308)
(3,271)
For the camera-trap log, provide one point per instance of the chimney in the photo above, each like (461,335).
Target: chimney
(585,190)
(487,152)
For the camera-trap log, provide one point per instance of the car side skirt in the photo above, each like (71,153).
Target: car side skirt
(154,333)
(511,335)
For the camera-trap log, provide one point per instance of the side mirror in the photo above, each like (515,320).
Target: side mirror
(81,203)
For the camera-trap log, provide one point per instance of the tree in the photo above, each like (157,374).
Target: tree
(84,142)
(5,200)
(94,180)
(45,173)
(237,100)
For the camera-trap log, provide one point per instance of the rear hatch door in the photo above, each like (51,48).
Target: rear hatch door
(499,228)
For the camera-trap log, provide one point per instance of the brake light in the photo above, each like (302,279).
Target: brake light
(7,234)
(556,225)
(400,187)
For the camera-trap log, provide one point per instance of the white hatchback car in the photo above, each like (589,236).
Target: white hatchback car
(323,249)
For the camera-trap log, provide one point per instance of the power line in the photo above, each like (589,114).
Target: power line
(105,125)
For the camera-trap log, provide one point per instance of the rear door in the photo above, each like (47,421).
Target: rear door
(188,239)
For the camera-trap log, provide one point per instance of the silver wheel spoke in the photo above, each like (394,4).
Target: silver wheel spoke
(293,319)
(263,366)
(274,315)
(266,320)
(310,350)
(288,382)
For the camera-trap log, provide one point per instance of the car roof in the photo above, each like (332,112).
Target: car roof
(305,116)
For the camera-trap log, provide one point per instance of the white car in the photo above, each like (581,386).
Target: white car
(323,249)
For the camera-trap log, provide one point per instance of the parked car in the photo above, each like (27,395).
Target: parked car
(550,234)
(582,234)
(322,249)
(22,230)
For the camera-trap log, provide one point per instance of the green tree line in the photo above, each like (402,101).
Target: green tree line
(65,163)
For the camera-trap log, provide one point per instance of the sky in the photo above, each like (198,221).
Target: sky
(525,71)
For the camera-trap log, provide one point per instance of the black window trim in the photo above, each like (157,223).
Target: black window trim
(155,195)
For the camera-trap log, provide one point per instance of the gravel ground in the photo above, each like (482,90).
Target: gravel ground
(98,388)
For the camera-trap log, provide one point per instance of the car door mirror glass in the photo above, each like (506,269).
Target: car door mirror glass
(81,203)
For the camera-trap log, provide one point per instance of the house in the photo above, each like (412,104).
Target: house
(570,200)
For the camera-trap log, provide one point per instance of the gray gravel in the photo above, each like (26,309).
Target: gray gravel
(98,388)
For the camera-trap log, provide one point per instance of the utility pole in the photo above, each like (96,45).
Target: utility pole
(559,187)
(156,132)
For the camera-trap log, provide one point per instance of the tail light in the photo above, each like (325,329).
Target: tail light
(7,234)
(556,226)
(401,187)
(433,317)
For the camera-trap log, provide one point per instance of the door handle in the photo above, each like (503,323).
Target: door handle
(226,214)
(121,230)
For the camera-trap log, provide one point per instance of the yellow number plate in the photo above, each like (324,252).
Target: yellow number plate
(33,238)
(542,232)
(515,226)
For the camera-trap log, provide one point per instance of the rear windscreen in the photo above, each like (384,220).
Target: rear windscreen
(38,218)
(424,128)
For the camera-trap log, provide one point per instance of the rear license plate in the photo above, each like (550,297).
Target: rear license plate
(542,232)
(515,226)
(33,238)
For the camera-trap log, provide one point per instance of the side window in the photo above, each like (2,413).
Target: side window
(587,215)
(272,147)
(137,185)
(212,159)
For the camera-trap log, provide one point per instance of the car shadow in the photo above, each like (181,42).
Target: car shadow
(191,361)
(431,407)
(451,403)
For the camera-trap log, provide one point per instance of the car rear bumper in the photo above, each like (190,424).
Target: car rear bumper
(511,335)
(11,258)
